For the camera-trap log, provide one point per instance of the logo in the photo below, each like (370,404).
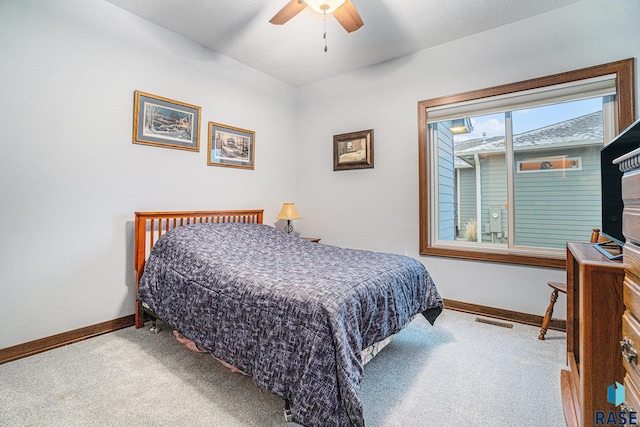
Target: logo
(615,396)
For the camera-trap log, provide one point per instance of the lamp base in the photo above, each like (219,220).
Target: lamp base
(289,227)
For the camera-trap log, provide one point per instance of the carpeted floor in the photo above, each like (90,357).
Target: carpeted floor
(458,372)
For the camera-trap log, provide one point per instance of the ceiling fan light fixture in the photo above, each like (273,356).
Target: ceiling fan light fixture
(324,6)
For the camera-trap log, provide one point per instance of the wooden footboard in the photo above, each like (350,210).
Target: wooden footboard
(149,226)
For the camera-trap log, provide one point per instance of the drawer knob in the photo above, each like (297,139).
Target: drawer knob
(625,407)
(628,352)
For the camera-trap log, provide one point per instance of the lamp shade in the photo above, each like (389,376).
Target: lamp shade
(288,211)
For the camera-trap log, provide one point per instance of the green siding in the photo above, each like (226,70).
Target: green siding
(467,210)
(550,208)
(554,207)
(494,193)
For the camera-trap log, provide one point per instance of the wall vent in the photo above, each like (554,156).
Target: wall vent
(495,323)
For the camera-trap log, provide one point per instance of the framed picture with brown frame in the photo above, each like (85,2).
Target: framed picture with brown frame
(231,146)
(353,150)
(164,122)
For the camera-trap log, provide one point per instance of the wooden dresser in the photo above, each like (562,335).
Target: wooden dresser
(630,345)
(594,317)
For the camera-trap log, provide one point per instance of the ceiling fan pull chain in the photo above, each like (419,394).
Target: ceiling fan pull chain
(324,36)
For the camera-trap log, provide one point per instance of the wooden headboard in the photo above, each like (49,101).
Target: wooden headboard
(150,226)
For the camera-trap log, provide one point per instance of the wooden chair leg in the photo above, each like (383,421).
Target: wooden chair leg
(548,314)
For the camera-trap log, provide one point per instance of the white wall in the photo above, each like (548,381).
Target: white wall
(70,177)
(378,208)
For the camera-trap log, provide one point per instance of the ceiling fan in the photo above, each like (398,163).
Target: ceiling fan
(344,11)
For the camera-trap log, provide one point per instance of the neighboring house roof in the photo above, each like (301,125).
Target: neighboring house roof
(462,164)
(583,130)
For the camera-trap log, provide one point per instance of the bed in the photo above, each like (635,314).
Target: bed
(299,317)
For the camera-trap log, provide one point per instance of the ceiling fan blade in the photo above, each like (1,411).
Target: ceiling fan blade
(290,10)
(347,15)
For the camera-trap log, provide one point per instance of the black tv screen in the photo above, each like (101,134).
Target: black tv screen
(611,181)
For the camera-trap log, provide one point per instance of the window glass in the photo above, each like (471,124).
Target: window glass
(553,153)
(556,152)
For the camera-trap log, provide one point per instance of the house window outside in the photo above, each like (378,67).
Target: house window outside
(554,154)
(523,177)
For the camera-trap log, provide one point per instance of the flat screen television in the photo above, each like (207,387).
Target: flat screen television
(611,188)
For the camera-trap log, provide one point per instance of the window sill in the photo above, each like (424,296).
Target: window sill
(523,258)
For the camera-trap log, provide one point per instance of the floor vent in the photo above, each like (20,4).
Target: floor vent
(494,323)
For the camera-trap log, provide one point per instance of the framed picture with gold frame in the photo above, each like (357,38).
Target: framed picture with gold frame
(353,150)
(231,146)
(164,122)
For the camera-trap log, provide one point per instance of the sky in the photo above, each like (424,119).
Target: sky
(531,118)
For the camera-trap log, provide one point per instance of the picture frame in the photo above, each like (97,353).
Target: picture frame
(353,150)
(230,146)
(164,122)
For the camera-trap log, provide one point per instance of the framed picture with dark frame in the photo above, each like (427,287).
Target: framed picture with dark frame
(353,150)
(230,146)
(164,122)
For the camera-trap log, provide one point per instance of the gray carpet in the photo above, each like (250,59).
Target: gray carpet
(458,372)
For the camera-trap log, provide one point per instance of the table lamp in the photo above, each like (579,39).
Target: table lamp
(288,212)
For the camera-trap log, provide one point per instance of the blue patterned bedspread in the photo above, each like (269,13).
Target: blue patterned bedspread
(293,314)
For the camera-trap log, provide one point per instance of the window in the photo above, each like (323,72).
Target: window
(511,173)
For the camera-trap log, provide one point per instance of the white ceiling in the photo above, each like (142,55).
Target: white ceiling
(294,52)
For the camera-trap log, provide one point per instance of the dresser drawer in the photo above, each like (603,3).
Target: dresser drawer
(632,294)
(632,259)
(631,395)
(631,338)
(631,197)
